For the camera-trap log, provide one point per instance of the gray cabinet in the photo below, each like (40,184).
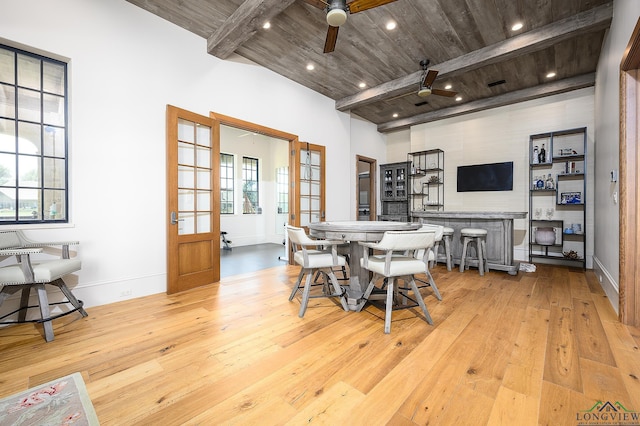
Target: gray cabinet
(557,195)
(393,191)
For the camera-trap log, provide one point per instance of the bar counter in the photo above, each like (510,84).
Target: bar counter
(499,226)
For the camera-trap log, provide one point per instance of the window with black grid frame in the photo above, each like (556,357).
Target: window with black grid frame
(33,138)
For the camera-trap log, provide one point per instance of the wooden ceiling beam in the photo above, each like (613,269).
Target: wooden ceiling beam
(592,20)
(243,24)
(547,89)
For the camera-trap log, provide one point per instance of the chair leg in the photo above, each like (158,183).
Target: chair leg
(305,294)
(464,253)
(389,305)
(72,299)
(297,286)
(483,242)
(416,292)
(432,283)
(24,303)
(447,252)
(480,258)
(367,293)
(43,300)
(338,290)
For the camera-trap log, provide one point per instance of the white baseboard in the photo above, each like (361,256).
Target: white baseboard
(95,294)
(608,283)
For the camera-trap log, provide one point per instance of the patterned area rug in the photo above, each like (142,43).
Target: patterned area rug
(63,401)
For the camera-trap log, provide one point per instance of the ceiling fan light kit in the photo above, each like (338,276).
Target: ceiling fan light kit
(424,91)
(336,17)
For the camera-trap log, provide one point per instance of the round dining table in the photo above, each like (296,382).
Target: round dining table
(353,232)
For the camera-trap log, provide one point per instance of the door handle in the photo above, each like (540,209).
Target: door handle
(174,218)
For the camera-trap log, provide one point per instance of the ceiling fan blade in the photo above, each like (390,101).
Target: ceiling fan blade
(330,41)
(447,93)
(317,3)
(430,77)
(360,5)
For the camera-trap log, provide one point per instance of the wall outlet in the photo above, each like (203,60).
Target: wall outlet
(125,293)
(600,278)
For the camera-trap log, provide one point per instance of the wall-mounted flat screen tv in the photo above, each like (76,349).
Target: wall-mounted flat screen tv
(486,177)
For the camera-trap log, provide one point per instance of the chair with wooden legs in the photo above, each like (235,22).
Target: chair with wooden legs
(316,256)
(392,266)
(28,273)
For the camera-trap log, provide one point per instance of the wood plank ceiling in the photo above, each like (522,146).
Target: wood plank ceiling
(470,43)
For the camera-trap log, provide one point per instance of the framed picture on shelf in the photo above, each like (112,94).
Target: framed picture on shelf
(571,198)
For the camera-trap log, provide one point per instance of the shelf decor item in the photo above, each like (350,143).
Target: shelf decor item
(545,236)
(571,254)
(571,198)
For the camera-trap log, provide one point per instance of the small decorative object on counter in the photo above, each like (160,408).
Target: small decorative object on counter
(434,179)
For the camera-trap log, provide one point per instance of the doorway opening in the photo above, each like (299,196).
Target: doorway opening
(366,187)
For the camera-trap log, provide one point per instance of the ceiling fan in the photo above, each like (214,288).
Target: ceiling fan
(337,15)
(427,79)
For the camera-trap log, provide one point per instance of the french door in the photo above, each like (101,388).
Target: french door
(193,202)
(308,182)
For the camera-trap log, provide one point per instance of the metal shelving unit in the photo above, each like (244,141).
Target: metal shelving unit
(557,195)
(426,180)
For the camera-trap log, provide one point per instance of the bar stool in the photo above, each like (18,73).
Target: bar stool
(477,236)
(447,236)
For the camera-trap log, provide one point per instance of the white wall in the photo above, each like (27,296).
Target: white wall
(125,66)
(502,134)
(607,148)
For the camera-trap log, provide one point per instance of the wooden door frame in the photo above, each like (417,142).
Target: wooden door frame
(373,172)
(226,120)
(629,280)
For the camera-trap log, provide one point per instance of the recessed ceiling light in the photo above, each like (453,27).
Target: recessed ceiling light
(448,86)
(395,115)
(551,74)
(310,67)
(517,26)
(391,25)
(362,85)
(267,25)
(459,98)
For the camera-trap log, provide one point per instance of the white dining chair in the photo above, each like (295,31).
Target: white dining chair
(392,266)
(315,256)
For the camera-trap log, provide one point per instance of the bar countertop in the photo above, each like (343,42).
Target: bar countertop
(470,215)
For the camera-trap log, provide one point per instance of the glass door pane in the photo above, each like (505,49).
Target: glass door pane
(194,178)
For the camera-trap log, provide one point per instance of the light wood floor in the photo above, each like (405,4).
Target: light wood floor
(538,348)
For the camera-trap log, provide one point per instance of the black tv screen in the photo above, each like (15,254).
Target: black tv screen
(486,177)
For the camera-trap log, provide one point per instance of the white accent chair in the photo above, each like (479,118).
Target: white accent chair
(26,274)
(312,260)
(392,266)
